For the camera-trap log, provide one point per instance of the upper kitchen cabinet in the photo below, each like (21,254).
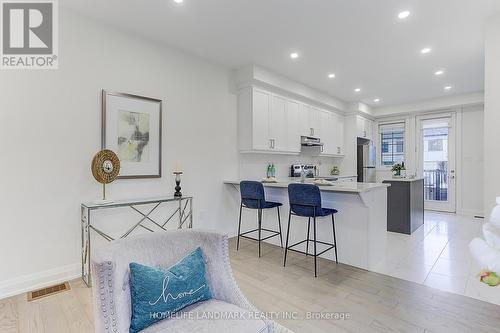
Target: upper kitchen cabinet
(293,126)
(338,137)
(310,121)
(332,134)
(278,123)
(267,122)
(364,128)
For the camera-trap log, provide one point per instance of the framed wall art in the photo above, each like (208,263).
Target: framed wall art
(131,127)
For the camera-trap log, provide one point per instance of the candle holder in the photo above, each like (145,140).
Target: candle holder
(177,193)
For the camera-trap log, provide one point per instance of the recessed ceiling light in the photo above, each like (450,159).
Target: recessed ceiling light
(439,72)
(294,55)
(376,100)
(404,14)
(425,50)
(178,1)
(357,90)
(448,87)
(331,75)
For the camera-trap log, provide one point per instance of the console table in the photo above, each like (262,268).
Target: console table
(183,210)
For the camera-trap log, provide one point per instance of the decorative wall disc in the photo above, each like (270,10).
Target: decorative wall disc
(105,166)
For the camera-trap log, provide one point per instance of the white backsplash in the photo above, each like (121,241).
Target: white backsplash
(254,166)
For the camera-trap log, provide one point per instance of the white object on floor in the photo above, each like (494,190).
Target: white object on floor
(487,252)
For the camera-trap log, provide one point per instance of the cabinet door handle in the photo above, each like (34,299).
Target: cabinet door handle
(322,149)
(313,131)
(271,143)
(338,150)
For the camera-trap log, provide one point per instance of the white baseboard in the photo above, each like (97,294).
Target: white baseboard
(43,279)
(470,212)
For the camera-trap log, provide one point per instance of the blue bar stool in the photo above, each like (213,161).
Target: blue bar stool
(252,197)
(305,201)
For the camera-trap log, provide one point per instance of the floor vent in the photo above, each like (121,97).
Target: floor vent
(49,291)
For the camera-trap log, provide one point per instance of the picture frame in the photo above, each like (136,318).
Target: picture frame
(131,126)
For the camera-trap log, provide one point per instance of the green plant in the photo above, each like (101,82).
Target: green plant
(396,168)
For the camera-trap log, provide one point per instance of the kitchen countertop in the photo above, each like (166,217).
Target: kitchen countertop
(403,179)
(342,176)
(353,187)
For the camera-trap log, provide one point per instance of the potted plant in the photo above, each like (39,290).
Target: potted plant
(396,169)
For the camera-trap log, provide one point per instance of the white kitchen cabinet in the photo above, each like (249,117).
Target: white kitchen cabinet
(304,128)
(332,134)
(260,123)
(364,128)
(267,122)
(278,123)
(327,129)
(315,118)
(293,126)
(310,121)
(272,123)
(338,135)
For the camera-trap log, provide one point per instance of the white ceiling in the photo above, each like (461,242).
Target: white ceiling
(361,41)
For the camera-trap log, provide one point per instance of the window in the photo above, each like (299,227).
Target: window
(392,143)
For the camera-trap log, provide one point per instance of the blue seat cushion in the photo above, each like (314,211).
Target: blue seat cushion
(309,211)
(254,204)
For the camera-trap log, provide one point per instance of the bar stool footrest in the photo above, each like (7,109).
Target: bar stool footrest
(332,246)
(275,233)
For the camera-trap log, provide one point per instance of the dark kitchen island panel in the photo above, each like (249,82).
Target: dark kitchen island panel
(405,205)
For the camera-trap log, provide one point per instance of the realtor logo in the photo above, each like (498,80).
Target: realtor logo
(29,34)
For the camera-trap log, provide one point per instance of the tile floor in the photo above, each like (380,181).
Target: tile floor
(437,255)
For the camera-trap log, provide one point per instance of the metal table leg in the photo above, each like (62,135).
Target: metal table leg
(85,220)
(191,213)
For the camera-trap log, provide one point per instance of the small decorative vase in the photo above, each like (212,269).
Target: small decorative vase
(178,192)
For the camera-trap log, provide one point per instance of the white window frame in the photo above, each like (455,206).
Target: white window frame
(404,124)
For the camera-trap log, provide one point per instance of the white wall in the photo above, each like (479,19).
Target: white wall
(492,113)
(442,103)
(51,129)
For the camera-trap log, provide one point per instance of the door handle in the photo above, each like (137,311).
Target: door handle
(270,143)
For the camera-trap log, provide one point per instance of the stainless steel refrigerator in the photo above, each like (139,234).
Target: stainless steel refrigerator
(366,163)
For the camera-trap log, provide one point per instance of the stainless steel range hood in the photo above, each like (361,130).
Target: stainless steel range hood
(309,141)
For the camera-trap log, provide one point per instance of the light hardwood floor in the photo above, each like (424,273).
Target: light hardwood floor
(375,302)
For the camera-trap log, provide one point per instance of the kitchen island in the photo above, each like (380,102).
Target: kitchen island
(405,204)
(360,223)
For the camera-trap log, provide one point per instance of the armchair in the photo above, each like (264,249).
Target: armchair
(110,267)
